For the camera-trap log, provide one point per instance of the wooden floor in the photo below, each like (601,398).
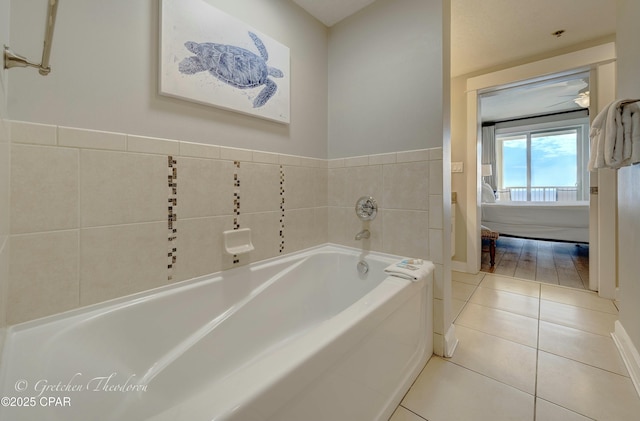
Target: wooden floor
(545,261)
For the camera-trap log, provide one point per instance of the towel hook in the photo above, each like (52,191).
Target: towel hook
(12,59)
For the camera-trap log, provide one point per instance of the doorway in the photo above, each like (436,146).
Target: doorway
(535,183)
(599,62)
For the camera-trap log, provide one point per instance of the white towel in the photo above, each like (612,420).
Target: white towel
(411,269)
(612,134)
(631,124)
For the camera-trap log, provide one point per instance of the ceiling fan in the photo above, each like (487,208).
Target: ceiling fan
(582,99)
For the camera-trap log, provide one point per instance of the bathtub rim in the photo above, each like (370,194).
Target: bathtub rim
(163,290)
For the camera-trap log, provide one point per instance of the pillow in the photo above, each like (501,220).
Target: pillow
(487,194)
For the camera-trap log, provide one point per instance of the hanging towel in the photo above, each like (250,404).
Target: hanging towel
(411,269)
(631,124)
(612,134)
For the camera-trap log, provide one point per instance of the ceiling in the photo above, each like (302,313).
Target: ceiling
(487,34)
(546,97)
(331,12)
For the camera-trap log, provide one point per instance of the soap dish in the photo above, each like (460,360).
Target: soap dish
(238,241)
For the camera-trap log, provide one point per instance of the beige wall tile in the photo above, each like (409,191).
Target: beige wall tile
(406,186)
(91,139)
(320,187)
(236,154)
(121,260)
(321,215)
(299,229)
(292,160)
(199,150)
(435,177)
(406,233)
(435,211)
(435,154)
(266,157)
(344,225)
(363,181)
(265,234)
(43,275)
(152,145)
(44,188)
(413,156)
(356,161)
(259,187)
(200,246)
(205,187)
(386,158)
(122,188)
(300,187)
(435,246)
(337,188)
(39,134)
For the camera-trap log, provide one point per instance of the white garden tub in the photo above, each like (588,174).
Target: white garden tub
(303,337)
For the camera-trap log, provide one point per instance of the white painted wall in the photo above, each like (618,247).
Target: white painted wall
(104,53)
(629,177)
(385,73)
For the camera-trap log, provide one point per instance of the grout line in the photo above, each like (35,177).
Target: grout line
(583,363)
(492,378)
(535,389)
(413,412)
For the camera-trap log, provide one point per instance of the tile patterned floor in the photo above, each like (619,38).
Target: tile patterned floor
(527,352)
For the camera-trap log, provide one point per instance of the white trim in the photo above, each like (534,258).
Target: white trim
(629,354)
(579,61)
(458,266)
(552,66)
(450,341)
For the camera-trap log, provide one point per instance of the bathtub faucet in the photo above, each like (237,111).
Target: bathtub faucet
(363,234)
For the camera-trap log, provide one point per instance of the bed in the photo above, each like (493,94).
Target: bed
(564,221)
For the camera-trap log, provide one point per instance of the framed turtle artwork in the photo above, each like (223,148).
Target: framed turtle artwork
(212,58)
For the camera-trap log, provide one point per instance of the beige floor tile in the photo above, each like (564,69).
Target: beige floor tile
(461,291)
(467,278)
(507,301)
(517,286)
(578,298)
(586,390)
(589,348)
(456,307)
(403,414)
(445,391)
(577,317)
(547,411)
(502,360)
(506,325)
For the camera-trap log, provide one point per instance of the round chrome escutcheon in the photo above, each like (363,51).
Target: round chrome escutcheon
(366,208)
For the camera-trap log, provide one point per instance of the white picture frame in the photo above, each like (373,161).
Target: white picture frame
(212,58)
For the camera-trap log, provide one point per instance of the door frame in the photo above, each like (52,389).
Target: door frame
(600,60)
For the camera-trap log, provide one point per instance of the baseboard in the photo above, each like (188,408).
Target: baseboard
(458,266)
(629,354)
(450,341)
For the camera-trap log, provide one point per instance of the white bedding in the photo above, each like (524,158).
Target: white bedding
(566,221)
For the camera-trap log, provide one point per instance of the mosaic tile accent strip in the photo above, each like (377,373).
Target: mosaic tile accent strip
(172,217)
(281,209)
(236,202)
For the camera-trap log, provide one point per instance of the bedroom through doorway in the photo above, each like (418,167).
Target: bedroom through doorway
(535,181)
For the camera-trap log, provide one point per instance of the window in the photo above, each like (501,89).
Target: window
(544,163)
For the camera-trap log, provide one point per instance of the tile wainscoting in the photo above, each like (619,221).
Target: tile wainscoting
(100,215)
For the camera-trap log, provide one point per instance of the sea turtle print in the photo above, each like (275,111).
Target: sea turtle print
(233,65)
